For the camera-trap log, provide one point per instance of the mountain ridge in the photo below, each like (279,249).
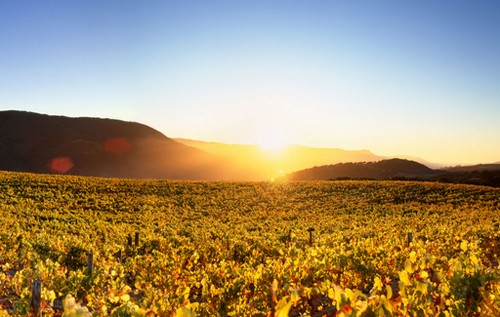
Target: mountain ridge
(260,164)
(89,146)
(304,156)
(40,143)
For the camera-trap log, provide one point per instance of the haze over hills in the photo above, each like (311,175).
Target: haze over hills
(267,164)
(416,159)
(37,143)
(261,164)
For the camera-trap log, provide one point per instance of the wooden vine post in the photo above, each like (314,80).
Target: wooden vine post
(20,248)
(36,301)
(410,238)
(310,235)
(90,263)
(137,239)
(129,240)
(119,255)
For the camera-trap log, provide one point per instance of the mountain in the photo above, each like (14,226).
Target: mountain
(418,160)
(486,175)
(385,169)
(248,162)
(38,143)
(255,163)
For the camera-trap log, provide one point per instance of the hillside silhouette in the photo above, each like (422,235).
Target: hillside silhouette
(38,143)
(385,169)
(472,168)
(481,174)
(401,169)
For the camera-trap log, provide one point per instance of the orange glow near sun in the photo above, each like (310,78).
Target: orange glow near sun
(273,143)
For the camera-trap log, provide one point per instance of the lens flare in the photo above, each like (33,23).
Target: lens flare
(60,165)
(117,146)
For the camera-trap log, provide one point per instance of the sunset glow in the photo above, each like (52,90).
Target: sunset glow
(273,144)
(417,78)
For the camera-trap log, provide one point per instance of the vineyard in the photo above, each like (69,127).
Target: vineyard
(111,247)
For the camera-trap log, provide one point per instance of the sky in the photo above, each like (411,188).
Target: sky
(419,78)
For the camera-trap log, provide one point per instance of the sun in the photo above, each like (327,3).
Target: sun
(273,142)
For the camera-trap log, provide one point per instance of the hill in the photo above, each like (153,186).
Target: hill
(38,143)
(254,163)
(385,169)
(472,168)
(486,175)
(418,160)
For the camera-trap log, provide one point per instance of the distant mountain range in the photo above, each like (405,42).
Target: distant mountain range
(266,164)
(38,143)
(259,164)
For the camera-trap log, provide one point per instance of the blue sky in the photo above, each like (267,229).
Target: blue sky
(420,78)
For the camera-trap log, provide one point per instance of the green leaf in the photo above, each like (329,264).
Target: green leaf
(409,267)
(338,295)
(283,307)
(413,256)
(422,287)
(387,307)
(389,291)
(378,284)
(184,312)
(331,293)
(349,293)
(403,276)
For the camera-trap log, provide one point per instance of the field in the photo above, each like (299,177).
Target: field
(336,248)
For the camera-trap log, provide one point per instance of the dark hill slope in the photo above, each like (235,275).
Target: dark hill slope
(37,143)
(385,169)
(473,168)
